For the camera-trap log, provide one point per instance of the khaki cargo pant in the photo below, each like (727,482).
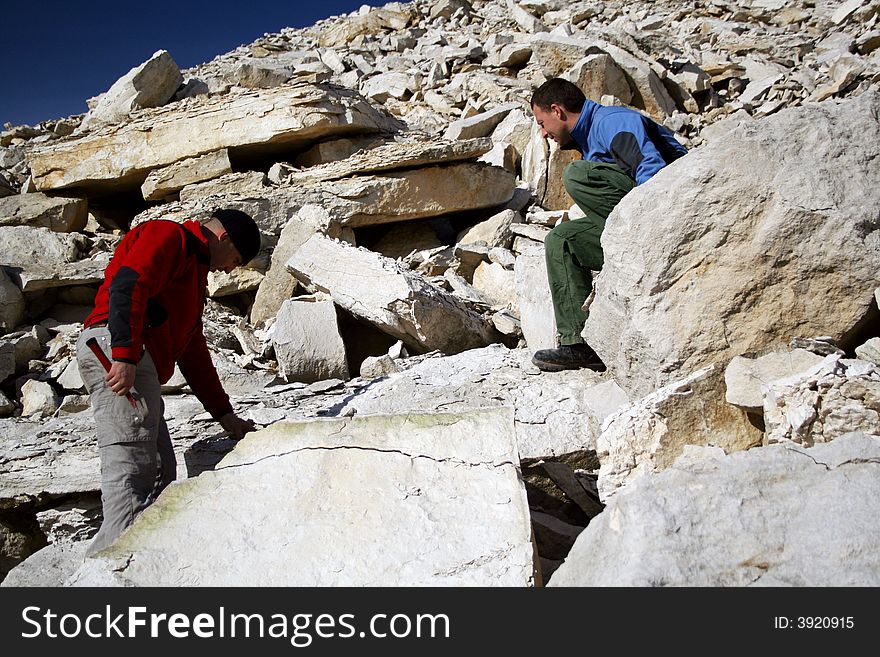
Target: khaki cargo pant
(137,458)
(573,249)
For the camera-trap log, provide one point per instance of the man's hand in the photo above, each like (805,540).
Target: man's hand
(120,378)
(236,425)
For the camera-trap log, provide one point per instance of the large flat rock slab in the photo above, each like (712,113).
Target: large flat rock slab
(413,500)
(123,155)
(555,413)
(781,515)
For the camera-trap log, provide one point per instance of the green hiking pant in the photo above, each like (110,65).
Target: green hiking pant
(572,249)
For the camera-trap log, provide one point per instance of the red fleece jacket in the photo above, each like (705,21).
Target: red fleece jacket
(153,296)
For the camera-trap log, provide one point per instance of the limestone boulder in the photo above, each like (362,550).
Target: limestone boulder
(382,292)
(554,412)
(151,84)
(254,122)
(394,18)
(441,494)
(495,231)
(38,398)
(12,305)
(479,125)
(60,274)
(240,279)
(777,246)
(24,247)
(418,193)
(533,298)
(744,378)
(59,214)
(556,54)
(308,346)
(650,434)
(497,283)
(403,153)
(599,75)
(334,149)
(167,181)
(766,517)
(278,284)
(837,396)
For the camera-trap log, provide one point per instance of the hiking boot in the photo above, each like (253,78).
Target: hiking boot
(568,357)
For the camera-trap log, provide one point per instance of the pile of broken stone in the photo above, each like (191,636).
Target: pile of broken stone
(382,337)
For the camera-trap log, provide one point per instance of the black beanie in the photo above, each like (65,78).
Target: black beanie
(242,230)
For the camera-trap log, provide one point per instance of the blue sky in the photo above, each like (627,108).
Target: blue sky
(55,55)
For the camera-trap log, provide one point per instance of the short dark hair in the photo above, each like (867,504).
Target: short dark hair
(561,92)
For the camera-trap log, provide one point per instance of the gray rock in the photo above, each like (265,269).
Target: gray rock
(533,299)
(824,403)
(151,84)
(766,517)
(745,377)
(7,407)
(551,416)
(62,215)
(164,182)
(648,436)
(38,398)
(11,304)
(445,501)
(762,243)
(397,301)
(307,342)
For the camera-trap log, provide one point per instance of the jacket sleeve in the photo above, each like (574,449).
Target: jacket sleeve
(631,147)
(143,272)
(198,369)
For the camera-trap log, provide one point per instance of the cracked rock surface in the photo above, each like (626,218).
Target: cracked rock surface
(435,498)
(765,517)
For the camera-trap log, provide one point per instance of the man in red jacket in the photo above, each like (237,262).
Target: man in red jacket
(147,317)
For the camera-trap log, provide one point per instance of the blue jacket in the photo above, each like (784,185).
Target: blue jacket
(621,136)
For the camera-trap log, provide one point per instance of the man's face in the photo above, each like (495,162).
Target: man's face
(224,255)
(552,124)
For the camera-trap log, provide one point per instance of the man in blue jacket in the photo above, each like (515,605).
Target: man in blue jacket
(620,149)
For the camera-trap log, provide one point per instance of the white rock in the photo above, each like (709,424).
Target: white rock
(497,283)
(533,299)
(62,215)
(769,261)
(307,342)
(151,84)
(164,182)
(744,377)
(765,517)
(38,398)
(649,435)
(479,125)
(833,399)
(397,301)
(870,351)
(495,231)
(295,114)
(441,494)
